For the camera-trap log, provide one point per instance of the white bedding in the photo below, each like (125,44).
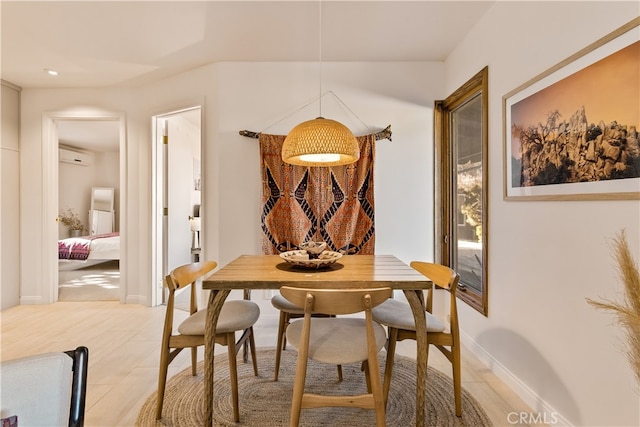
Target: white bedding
(106,248)
(101,249)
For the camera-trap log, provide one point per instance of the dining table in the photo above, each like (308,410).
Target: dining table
(249,272)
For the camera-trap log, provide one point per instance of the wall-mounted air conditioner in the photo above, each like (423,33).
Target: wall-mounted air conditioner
(74,157)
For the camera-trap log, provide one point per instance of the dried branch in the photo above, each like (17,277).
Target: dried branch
(627,311)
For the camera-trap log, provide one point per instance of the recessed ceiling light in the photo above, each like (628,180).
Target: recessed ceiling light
(51,72)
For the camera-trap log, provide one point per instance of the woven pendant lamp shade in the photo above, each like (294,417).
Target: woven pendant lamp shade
(320,142)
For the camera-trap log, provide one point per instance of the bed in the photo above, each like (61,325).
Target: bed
(85,251)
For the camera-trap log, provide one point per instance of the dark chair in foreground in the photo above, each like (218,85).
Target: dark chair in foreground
(236,315)
(397,316)
(337,341)
(46,389)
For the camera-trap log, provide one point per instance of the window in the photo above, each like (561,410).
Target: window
(461,187)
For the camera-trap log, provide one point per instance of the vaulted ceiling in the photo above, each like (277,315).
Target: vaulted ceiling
(125,43)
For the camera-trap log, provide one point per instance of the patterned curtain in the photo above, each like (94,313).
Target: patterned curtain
(333,205)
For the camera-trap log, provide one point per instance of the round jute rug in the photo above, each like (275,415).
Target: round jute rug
(266,403)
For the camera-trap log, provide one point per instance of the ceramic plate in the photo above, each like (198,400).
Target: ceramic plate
(300,258)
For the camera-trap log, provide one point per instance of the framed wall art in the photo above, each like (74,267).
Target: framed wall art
(573,132)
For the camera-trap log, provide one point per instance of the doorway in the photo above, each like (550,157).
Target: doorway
(88,166)
(55,135)
(177,201)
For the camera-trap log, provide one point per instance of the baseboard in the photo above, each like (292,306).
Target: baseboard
(543,410)
(35,300)
(136,299)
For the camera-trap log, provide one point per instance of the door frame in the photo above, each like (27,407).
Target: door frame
(50,195)
(158,234)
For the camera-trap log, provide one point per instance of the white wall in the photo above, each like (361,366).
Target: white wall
(83,103)
(256,96)
(74,192)
(545,258)
(9,195)
(75,183)
(267,97)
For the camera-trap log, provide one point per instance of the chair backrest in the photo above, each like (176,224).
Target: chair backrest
(185,275)
(336,301)
(445,278)
(441,275)
(80,358)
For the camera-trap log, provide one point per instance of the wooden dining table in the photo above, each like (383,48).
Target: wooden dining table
(248,272)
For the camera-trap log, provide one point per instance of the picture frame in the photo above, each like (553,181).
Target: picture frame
(573,132)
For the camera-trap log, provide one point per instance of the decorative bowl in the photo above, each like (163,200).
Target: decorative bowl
(300,258)
(314,249)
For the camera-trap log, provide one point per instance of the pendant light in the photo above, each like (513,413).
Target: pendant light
(320,142)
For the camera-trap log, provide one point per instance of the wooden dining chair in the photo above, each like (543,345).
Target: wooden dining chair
(236,315)
(337,341)
(398,318)
(289,311)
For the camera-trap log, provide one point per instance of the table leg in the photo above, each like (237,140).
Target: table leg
(417,307)
(246,294)
(216,300)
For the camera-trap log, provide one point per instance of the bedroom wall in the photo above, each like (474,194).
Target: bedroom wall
(75,183)
(545,258)
(74,191)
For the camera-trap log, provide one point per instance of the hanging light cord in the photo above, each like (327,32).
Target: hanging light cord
(320,56)
(305,105)
(350,110)
(320,95)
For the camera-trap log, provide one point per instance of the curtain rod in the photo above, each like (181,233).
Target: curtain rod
(383,134)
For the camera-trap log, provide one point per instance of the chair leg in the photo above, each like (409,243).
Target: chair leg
(246,295)
(457,380)
(340,373)
(233,374)
(388,368)
(280,346)
(252,346)
(367,378)
(375,388)
(298,389)
(162,382)
(245,353)
(194,360)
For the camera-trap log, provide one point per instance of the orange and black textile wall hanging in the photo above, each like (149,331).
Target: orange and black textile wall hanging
(329,204)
